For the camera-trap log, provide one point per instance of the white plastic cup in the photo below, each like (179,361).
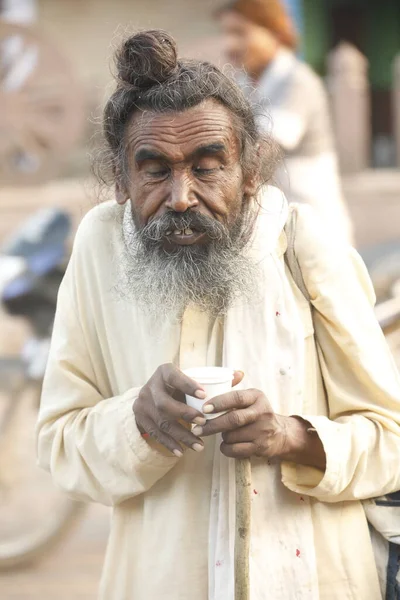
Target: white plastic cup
(214,380)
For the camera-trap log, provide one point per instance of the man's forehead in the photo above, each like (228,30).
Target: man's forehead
(206,123)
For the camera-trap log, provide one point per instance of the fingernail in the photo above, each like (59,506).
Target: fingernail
(197,430)
(198,447)
(209,408)
(178,453)
(200,394)
(200,421)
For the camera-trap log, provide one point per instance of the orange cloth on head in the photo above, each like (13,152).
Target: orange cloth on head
(270,14)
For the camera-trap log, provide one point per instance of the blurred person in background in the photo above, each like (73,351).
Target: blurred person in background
(260,40)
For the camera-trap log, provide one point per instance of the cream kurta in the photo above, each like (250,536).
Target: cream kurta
(104,349)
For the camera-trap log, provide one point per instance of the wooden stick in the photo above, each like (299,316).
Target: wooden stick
(243,525)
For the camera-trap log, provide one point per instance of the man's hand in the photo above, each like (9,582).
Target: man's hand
(252,428)
(161,405)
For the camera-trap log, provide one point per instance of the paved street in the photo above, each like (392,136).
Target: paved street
(72,570)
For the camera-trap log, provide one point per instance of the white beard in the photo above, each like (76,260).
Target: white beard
(211,277)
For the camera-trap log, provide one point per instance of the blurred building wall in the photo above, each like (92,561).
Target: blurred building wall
(89,29)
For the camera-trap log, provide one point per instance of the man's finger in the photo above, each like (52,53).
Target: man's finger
(237,378)
(244,450)
(177,380)
(231,420)
(171,435)
(176,410)
(179,434)
(234,400)
(241,435)
(162,438)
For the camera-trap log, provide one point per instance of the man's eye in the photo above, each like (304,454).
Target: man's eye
(207,165)
(203,171)
(158,173)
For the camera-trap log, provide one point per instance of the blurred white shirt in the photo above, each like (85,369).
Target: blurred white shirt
(292,106)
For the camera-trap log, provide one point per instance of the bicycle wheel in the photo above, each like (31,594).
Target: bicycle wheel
(34,515)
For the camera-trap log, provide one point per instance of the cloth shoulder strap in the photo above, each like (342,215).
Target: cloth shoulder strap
(290,255)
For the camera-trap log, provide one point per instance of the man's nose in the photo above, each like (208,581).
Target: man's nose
(181,196)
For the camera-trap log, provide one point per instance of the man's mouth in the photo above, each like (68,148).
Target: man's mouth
(185,237)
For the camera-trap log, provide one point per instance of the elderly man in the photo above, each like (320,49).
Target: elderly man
(260,39)
(188,269)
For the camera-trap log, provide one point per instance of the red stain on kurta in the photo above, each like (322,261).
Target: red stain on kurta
(302,499)
(277,314)
(298,552)
(255,492)
(218,563)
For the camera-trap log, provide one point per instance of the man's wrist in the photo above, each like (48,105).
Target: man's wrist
(303,445)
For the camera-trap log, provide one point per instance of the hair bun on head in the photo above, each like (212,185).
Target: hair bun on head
(146,58)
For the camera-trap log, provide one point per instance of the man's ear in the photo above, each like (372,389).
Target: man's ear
(121,195)
(250,185)
(251,179)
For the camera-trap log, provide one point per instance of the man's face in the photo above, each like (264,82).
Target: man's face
(181,163)
(191,209)
(246,45)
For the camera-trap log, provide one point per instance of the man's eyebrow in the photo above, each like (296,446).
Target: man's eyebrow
(148,154)
(214,148)
(207,149)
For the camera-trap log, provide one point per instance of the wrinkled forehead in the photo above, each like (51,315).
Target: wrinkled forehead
(179,133)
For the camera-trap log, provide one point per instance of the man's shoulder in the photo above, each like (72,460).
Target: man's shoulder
(317,248)
(99,225)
